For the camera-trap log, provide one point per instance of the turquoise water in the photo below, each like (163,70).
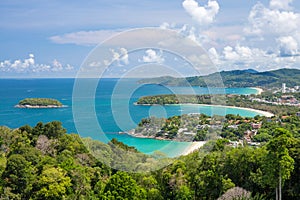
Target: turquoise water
(114,110)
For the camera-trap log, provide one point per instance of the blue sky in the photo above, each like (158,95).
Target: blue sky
(52,38)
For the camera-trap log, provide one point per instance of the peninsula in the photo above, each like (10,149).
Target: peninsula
(39,103)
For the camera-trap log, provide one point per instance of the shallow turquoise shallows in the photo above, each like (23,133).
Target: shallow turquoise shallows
(115,113)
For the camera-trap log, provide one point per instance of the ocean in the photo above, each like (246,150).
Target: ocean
(114,109)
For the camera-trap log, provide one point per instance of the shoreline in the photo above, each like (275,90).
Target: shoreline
(259,90)
(39,107)
(193,147)
(260,112)
(264,113)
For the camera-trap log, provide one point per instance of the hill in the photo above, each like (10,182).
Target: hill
(235,78)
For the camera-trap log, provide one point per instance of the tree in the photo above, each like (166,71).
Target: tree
(53,184)
(201,135)
(123,186)
(278,164)
(183,193)
(18,175)
(54,130)
(208,180)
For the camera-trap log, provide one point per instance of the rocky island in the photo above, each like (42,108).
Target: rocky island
(39,103)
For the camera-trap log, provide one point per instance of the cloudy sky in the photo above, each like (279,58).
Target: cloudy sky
(52,38)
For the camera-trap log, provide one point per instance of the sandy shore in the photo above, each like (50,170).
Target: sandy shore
(193,147)
(259,90)
(261,112)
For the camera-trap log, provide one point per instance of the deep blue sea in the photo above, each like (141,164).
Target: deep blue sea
(114,108)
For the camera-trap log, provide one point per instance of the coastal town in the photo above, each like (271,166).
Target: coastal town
(199,128)
(281,96)
(237,130)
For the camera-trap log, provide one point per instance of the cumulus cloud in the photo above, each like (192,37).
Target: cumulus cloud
(276,24)
(120,56)
(29,65)
(204,15)
(214,56)
(281,4)
(264,21)
(245,57)
(244,54)
(288,46)
(153,56)
(84,37)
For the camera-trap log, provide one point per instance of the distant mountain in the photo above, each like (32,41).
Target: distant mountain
(235,78)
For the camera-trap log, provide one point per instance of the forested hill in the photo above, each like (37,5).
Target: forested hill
(236,78)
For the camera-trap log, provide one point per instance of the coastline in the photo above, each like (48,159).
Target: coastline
(259,90)
(193,147)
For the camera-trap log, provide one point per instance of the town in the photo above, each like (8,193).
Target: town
(281,96)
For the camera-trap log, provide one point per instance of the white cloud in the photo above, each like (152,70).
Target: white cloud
(121,56)
(214,56)
(244,54)
(244,57)
(281,4)
(264,21)
(277,25)
(153,56)
(204,15)
(29,65)
(288,46)
(84,37)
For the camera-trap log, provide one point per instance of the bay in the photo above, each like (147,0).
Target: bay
(114,108)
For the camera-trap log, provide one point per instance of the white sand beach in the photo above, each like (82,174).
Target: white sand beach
(261,112)
(259,90)
(193,147)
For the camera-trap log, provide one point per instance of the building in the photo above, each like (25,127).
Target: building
(298,114)
(256,125)
(283,88)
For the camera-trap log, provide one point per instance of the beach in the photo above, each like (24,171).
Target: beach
(193,147)
(261,112)
(259,90)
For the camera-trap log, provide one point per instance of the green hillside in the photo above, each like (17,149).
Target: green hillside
(236,78)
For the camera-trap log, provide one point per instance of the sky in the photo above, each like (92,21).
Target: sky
(52,38)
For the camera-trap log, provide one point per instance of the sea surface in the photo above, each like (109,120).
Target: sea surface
(114,108)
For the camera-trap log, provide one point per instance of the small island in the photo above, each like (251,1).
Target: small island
(39,103)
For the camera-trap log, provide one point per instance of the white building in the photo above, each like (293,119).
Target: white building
(283,88)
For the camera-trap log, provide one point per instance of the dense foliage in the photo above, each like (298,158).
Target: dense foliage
(40,102)
(236,78)
(43,162)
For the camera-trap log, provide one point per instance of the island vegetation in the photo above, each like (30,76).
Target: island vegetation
(39,103)
(44,162)
(235,78)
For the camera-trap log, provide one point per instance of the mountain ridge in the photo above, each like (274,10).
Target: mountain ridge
(234,78)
